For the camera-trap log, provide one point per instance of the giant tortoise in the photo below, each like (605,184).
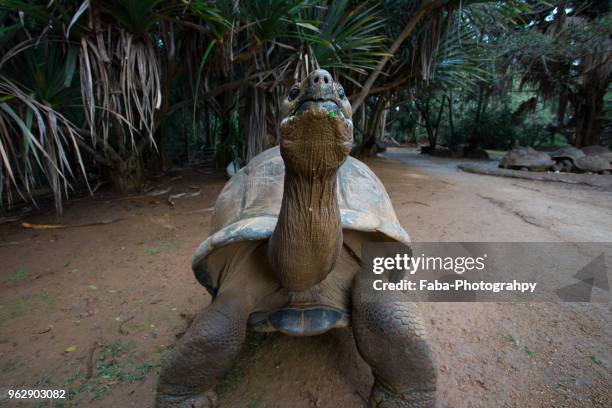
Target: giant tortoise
(284,255)
(593,164)
(570,158)
(597,150)
(565,158)
(527,159)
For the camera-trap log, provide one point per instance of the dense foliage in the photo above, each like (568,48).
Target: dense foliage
(119,90)
(545,81)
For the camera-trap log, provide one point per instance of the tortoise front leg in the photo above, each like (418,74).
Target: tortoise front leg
(203,354)
(391,338)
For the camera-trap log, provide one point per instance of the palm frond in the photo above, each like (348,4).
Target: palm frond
(38,147)
(350,38)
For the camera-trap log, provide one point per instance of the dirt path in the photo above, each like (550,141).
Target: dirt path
(89,309)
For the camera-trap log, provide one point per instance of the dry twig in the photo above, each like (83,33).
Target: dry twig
(27,225)
(121,330)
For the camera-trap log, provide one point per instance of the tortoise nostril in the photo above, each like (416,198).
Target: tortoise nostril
(320,77)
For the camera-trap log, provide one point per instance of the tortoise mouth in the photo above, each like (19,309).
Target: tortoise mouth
(310,108)
(327,104)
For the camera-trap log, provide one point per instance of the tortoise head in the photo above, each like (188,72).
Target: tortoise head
(316,137)
(316,129)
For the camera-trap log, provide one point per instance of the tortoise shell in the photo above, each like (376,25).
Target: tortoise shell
(567,152)
(249,204)
(526,158)
(593,164)
(597,150)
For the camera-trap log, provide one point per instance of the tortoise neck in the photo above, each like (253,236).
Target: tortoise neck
(308,236)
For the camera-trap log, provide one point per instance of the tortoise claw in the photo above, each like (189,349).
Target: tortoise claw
(382,397)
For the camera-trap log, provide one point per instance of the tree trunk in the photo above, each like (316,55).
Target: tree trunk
(450,118)
(157,162)
(588,118)
(474,136)
(126,175)
(424,111)
(374,122)
(383,120)
(361,120)
(185,137)
(363,115)
(257,127)
(438,120)
(207,128)
(372,125)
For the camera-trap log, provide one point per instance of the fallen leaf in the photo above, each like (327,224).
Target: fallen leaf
(172,197)
(27,225)
(41,226)
(159,192)
(197,193)
(70,349)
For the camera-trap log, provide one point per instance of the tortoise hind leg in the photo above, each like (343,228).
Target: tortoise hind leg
(390,337)
(203,354)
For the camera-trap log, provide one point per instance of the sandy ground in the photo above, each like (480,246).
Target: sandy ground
(89,309)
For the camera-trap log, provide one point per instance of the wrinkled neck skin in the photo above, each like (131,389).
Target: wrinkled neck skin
(306,242)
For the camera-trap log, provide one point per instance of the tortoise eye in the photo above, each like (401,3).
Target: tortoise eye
(293,93)
(341,92)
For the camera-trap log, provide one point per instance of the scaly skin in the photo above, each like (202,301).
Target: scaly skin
(203,354)
(390,337)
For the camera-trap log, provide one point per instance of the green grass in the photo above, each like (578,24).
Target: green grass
(16,307)
(20,275)
(48,299)
(45,380)
(116,364)
(516,345)
(527,351)
(162,246)
(8,366)
(561,389)
(599,361)
(510,338)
